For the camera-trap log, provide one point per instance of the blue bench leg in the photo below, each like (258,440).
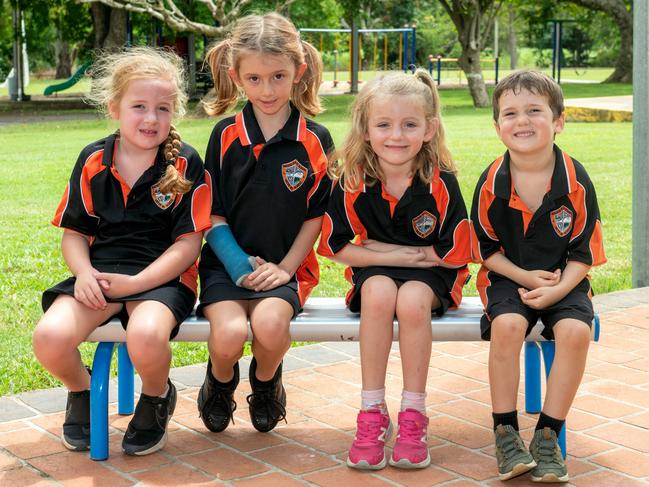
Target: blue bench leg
(532,378)
(125,387)
(548,349)
(99,401)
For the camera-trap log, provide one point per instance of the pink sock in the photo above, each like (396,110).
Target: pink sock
(413,400)
(374,400)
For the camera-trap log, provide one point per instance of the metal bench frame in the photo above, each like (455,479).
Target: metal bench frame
(323,320)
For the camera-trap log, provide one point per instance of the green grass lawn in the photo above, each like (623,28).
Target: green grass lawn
(40,157)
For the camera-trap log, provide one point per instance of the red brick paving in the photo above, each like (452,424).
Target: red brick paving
(608,440)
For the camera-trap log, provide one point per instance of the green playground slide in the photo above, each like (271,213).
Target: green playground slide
(71,81)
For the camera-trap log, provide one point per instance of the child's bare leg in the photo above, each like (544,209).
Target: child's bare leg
(378,305)
(507,336)
(572,338)
(415,300)
(65,325)
(270,320)
(147,337)
(228,333)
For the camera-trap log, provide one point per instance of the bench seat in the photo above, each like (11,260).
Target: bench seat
(323,320)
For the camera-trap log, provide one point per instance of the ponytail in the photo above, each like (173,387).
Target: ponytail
(172,181)
(305,93)
(226,93)
(437,147)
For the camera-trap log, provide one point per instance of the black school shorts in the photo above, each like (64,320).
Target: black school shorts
(437,279)
(504,298)
(174,295)
(216,286)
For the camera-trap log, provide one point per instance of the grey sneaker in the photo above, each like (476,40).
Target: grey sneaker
(550,466)
(512,456)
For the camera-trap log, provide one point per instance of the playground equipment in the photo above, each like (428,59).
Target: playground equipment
(436,62)
(71,81)
(406,51)
(579,54)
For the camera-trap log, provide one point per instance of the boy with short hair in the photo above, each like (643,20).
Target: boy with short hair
(537,232)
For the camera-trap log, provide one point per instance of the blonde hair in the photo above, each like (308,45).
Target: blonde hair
(270,34)
(110,77)
(360,163)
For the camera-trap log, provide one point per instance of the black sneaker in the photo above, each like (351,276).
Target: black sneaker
(76,426)
(267,401)
(215,400)
(147,431)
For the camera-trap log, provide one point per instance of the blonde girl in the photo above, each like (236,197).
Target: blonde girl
(268,169)
(398,196)
(132,214)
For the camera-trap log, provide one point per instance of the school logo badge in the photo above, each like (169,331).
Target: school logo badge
(161,199)
(424,224)
(561,221)
(294,174)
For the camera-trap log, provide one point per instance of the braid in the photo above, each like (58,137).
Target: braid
(172,181)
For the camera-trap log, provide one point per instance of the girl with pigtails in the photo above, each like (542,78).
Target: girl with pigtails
(267,167)
(133,216)
(396,217)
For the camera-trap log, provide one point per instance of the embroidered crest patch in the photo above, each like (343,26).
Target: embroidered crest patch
(294,174)
(161,199)
(561,221)
(424,224)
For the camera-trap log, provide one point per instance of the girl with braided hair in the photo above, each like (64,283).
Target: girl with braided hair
(133,215)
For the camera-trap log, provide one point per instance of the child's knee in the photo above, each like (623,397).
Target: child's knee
(146,338)
(51,339)
(226,343)
(508,330)
(271,330)
(412,308)
(572,334)
(380,293)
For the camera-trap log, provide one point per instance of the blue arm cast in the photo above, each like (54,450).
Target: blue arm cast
(237,263)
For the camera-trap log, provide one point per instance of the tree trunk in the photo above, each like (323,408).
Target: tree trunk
(624,66)
(511,39)
(617,10)
(469,61)
(109,25)
(63,59)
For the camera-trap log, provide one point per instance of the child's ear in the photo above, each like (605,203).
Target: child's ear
(113,109)
(301,69)
(432,126)
(497,127)
(559,123)
(234,76)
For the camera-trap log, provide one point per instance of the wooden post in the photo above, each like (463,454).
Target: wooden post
(640,211)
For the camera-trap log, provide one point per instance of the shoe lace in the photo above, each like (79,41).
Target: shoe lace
(546,451)
(221,401)
(410,432)
(509,446)
(265,400)
(367,432)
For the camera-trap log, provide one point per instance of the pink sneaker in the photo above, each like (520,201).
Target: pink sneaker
(411,448)
(373,429)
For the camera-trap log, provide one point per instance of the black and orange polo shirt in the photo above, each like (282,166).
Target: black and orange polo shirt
(132,227)
(266,190)
(426,214)
(565,227)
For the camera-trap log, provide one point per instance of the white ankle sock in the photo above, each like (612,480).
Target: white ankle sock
(413,400)
(374,400)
